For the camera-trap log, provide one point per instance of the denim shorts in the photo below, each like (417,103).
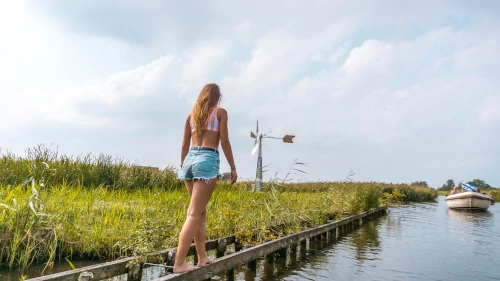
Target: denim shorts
(200,164)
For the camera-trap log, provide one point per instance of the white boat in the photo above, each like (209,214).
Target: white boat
(469,200)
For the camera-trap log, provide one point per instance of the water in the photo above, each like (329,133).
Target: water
(412,242)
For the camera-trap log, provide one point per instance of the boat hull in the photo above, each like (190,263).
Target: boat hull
(469,201)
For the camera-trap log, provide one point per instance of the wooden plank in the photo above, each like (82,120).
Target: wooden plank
(116,268)
(246,255)
(100,271)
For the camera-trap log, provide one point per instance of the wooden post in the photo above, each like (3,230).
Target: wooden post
(319,241)
(195,257)
(269,258)
(85,276)
(230,272)
(313,243)
(237,246)
(282,252)
(292,253)
(135,273)
(221,247)
(230,275)
(252,265)
(303,247)
(170,261)
(324,238)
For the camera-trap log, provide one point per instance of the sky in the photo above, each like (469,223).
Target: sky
(392,91)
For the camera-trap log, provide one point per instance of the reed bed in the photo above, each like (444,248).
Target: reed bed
(55,207)
(49,167)
(47,224)
(495,194)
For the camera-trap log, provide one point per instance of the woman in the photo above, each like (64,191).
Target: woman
(205,126)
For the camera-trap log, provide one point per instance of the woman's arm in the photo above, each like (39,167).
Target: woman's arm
(226,145)
(186,140)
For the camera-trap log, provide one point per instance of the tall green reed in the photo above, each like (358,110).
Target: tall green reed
(54,207)
(496,195)
(49,167)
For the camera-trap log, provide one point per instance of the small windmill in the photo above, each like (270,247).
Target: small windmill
(258,147)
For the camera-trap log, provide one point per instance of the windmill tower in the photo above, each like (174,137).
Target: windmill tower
(257,147)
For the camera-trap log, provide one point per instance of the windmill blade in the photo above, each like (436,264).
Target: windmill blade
(288,138)
(256,146)
(253,135)
(257,131)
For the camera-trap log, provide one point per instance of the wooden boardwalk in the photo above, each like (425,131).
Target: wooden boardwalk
(224,263)
(287,243)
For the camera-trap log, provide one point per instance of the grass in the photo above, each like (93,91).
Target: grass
(49,167)
(79,222)
(411,193)
(79,208)
(495,194)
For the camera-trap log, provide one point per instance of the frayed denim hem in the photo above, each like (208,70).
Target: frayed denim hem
(206,180)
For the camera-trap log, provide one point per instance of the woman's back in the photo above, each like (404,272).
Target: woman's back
(205,126)
(211,135)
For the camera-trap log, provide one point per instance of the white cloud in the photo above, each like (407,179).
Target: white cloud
(358,99)
(479,56)
(168,75)
(202,60)
(280,55)
(401,94)
(375,81)
(489,112)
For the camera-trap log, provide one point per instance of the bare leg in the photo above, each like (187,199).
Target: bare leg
(201,193)
(200,236)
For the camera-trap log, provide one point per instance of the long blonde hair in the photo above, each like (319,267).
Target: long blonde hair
(208,99)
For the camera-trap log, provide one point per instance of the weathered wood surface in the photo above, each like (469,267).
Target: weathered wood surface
(118,267)
(249,254)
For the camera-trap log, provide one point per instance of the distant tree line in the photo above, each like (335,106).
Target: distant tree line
(481,184)
(420,183)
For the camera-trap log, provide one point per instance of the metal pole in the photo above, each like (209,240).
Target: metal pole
(258,177)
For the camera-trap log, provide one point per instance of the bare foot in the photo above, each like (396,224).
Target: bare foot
(184,267)
(205,261)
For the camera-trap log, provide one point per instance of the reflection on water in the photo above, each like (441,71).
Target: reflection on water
(37,270)
(416,241)
(470,217)
(366,243)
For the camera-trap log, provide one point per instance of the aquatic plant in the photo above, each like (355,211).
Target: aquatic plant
(55,207)
(50,167)
(495,194)
(79,222)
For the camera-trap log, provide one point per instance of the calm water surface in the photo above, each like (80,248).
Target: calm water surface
(412,242)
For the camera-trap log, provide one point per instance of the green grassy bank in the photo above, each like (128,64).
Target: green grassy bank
(81,208)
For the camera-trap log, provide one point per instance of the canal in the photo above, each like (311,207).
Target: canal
(424,241)
(418,241)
